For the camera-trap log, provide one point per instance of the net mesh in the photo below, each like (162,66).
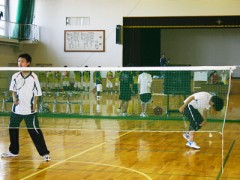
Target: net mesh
(149,97)
(90,99)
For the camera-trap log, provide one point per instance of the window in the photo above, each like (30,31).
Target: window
(2,17)
(77,21)
(9,29)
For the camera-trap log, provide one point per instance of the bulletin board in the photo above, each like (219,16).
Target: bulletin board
(84,40)
(200,76)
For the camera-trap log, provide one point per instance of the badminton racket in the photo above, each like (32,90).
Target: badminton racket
(19,83)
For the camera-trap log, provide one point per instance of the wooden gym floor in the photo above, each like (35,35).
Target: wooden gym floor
(97,148)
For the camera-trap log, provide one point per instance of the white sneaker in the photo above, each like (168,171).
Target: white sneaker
(145,115)
(8,154)
(186,136)
(118,110)
(125,114)
(46,157)
(119,113)
(192,145)
(142,114)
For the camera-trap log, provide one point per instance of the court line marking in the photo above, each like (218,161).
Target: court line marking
(110,165)
(133,130)
(87,150)
(225,161)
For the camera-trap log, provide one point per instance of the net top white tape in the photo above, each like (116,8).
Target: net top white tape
(167,68)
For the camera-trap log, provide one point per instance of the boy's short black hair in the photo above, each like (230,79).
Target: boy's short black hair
(218,103)
(26,56)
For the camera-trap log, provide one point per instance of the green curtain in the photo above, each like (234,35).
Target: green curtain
(24,19)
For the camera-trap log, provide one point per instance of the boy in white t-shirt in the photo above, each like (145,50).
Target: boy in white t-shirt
(145,83)
(195,108)
(25,89)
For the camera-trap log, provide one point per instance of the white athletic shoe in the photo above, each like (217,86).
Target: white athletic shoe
(119,113)
(193,145)
(8,154)
(143,114)
(125,114)
(46,157)
(186,136)
(118,110)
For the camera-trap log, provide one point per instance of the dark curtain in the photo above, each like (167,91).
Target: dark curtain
(150,47)
(141,46)
(131,47)
(24,19)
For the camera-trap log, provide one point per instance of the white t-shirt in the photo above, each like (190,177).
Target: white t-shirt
(201,100)
(26,93)
(145,81)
